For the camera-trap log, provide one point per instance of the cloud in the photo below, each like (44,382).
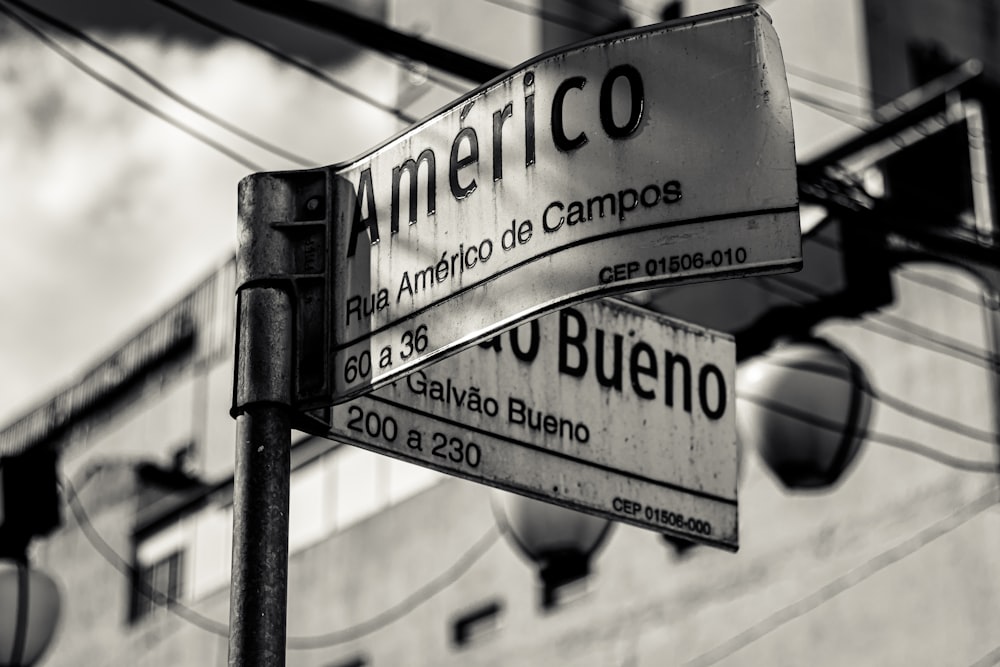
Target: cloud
(109,213)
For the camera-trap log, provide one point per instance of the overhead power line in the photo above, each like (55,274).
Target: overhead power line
(122,91)
(376,35)
(407,605)
(888,325)
(846,581)
(108,553)
(439,583)
(159,86)
(873,436)
(898,404)
(836,110)
(829,81)
(302,65)
(551,17)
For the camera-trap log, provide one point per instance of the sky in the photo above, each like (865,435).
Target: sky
(109,214)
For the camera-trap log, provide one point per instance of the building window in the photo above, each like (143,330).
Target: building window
(477,624)
(157,584)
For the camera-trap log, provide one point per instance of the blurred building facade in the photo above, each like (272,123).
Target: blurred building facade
(392,564)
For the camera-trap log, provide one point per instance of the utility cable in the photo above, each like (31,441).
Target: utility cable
(407,605)
(898,404)
(872,436)
(115,559)
(550,17)
(439,583)
(991,659)
(123,92)
(893,327)
(918,277)
(308,68)
(956,346)
(847,581)
(158,85)
(838,111)
(942,285)
(401,61)
(835,110)
(829,81)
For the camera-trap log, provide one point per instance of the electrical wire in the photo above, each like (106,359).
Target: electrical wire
(919,277)
(108,553)
(640,12)
(873,436)
(158,85)
(401,61)
(956,347)
(991,659)
(851,116)
(898,404)
(846,581)
(892,327)
(407,605)
(833,109)
(550,17)
(942,285)
(309,69)
(442,581)
(829,81)
(123,92)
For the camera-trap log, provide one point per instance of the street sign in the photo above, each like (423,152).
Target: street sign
(662,155)
(603,407)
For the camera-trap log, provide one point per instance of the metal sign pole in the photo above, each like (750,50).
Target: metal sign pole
(262,406)
(258,597)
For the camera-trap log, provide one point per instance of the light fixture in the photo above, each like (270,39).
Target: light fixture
(560,541)
(29,611)
(804,406)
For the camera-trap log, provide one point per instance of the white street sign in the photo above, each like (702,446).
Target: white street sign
(661,155)
(603,407)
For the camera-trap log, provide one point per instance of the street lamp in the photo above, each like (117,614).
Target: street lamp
(29,612)
(559,540)
(804,406)
(29,598)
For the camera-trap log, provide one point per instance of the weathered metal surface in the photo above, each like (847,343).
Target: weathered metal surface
(603,407)
(660,155)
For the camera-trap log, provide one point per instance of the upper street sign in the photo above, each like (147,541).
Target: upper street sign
(655,156)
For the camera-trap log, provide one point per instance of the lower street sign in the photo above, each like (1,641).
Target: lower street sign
(603,407)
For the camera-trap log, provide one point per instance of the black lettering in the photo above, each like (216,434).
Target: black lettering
(545,217)
(636,101)
(671,360)
(600,205)
(515,410)
(469,135)
(412,168)
(559,137)
(615,379)
(367,222)
(720,384)
(638,368)
(498,118)
(534,340)
(529,121)
(566,340)
(650,201)
(671,192)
